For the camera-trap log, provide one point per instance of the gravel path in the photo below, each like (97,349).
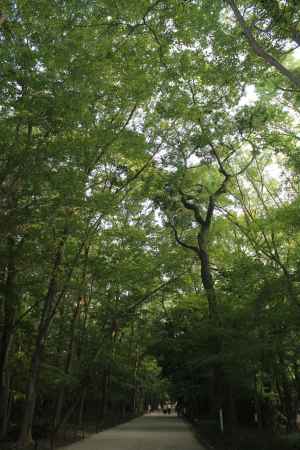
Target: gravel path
(150,432)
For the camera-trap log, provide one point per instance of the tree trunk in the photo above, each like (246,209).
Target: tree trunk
(6,343)
(208,284)
(232,414)
(68,362)
(297,383)
(10,309)
(4,403)
(61,394)
(103,396)
(289,407)
(25,437)
(65,419)
(258,416)
(81,410)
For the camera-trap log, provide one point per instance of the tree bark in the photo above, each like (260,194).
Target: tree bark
(61,394)
(10,309)
(289,404)
(81,410)
(232,413)
(103,404)
(208,283)
(25,437)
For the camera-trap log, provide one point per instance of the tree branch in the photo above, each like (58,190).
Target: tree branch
(180,241)
(2,18)
(260,51)
(191,207)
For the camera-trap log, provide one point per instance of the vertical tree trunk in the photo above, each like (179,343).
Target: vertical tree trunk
(81,410)
(61,394)
(297,383)
(103,396)
(9,312)
(208,284)
(232,415)
(289,404)
(6,343)
(257,405)
(25,437)
(135,391)
(209,287)
(4,404)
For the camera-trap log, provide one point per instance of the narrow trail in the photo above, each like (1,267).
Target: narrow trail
(150,432)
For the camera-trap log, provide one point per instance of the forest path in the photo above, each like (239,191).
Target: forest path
(150,432)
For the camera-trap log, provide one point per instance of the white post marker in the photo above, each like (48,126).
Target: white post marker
(221,420)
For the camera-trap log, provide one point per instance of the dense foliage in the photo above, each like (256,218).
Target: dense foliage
(149,212)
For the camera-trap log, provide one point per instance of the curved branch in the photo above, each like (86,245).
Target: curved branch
(192,207)
(222,169)
(181,242)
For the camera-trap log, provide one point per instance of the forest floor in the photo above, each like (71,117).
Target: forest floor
(244,438)
(154,431)
(69,435)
